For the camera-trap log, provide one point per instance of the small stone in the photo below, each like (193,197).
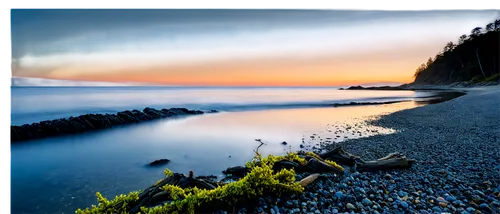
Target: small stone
(484,206)
(350,206)
(437,209)
(388,176)
(283,143)
(470,209)
(450,198)
(339,194)
(366,202)
(404,204)
(443,204)
(402,193)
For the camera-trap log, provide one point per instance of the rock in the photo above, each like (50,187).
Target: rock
(301,145)
(237,171)
(283,143)
(402,193)
(350,206)
(404,204)
(89,122)
(366,202)
(159,162)
(450,198)
(484,206)
(388,176)
(339,194)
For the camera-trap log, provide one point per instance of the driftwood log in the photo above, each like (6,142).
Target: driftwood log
(391,161)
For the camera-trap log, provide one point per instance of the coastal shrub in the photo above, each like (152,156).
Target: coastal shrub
(167,172)
(260,181)
(117,205)
(271,159)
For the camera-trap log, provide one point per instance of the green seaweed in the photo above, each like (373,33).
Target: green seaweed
(260,181)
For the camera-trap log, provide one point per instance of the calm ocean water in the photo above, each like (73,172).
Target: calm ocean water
(34,104)
(61,174)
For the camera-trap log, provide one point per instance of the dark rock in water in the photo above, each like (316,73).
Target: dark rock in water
(283,143)
(159,162)
(376,88)
(301,145)
(237,171)
(89,122)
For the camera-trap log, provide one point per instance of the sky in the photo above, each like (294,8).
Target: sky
(232,47)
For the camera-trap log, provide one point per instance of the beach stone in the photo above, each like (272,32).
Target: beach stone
(366,202)
(350,206)
(404,204)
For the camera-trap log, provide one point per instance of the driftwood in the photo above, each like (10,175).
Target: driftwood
(309,179)
(340,156)
(391,161)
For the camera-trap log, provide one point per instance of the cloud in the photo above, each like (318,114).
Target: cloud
(23,81)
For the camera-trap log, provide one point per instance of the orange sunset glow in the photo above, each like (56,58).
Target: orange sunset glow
(214,49)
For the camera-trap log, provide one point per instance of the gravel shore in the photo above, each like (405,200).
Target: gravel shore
(456,144)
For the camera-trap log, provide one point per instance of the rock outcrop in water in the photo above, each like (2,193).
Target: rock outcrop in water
(89,122)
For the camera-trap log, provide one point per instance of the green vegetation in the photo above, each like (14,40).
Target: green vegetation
(260,181)
(475,58)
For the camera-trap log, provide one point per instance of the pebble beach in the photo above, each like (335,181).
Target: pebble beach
(457,148)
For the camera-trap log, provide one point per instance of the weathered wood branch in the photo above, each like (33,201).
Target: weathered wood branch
(392,161)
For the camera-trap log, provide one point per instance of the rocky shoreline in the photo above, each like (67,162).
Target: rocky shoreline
(457,145)
(90,122)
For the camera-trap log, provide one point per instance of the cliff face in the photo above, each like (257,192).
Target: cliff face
(475,58)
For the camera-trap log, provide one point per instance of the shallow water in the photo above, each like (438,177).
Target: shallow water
(60,174)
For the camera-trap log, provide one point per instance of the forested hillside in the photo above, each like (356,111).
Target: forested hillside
(474,58)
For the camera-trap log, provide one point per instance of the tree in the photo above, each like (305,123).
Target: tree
(475,32)
(462,39)
(496,23)
(449,47)
(429,62)
(419,69)
(490,27)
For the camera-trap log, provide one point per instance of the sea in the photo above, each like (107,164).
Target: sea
(61,174)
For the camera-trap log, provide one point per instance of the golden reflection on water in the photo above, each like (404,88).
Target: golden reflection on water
(308,126)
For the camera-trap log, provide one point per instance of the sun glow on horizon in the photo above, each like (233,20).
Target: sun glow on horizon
(222,48)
